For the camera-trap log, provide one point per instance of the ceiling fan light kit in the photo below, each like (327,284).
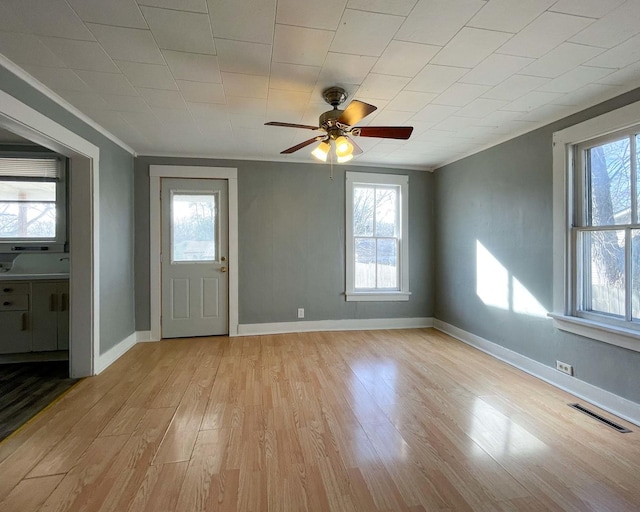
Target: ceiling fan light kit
(322,151)
(338,126)
(343,146)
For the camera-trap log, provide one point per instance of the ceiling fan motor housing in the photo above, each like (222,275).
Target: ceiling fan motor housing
(334,96)
(329,121)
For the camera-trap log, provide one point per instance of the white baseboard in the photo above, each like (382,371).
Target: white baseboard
(114,353)
(365,324)
(144,336)
(606,400)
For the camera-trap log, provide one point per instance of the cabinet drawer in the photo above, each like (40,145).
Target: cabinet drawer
(14,288)
(14,302)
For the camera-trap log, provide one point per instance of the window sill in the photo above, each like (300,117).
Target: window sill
(377,296)
(619,336)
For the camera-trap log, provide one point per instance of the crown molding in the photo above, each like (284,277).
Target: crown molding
(44,90)
(151,154)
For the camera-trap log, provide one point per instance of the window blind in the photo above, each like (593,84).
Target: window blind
(11,167)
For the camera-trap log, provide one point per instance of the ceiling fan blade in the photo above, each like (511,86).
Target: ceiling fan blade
(385,132)
(304,144)
(292,125)
(355,112)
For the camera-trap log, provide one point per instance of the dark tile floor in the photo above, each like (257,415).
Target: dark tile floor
(27,388)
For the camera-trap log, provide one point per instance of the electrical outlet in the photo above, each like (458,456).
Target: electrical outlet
(300,312)
(564,367)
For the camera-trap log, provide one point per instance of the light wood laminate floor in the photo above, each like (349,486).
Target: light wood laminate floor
(348,421)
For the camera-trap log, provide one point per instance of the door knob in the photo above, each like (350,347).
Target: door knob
(223,269)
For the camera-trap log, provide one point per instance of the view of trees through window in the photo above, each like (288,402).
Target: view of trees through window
(375,228)
(27,209)
(612,181)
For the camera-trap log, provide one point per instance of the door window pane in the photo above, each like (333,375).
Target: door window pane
(387,263)
(604,272)
(194,228)
(365,268)
(610,180)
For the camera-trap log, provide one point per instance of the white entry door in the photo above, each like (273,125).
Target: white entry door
(194,257)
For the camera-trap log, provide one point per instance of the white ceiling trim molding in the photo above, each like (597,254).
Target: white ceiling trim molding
(43,89)
(382,165)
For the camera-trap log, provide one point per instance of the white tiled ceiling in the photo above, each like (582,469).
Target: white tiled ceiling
(201,77)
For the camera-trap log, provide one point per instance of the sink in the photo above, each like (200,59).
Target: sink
(26,264)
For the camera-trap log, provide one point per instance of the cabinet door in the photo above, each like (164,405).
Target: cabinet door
(16,336)
(63,316)
(45,303)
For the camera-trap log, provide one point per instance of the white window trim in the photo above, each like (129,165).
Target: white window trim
(403,293)
(563,176)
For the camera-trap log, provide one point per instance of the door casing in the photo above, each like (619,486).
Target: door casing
(156,172)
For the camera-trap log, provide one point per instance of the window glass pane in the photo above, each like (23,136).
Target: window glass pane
(635,273)
(609,175)
(386,211)
(365,270)
(27,191)
(387,263)
(604,281)
(363,208)
(27,220)
(194,230)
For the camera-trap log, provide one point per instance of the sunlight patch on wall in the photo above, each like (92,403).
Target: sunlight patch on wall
(497,288)
(492,279)
(524,302)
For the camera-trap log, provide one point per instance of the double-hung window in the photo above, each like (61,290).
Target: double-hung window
(607,229)
(597,228)
(377,245)
(32,203)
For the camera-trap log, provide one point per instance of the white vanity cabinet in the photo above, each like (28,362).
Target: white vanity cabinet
(34,316)
(50,315)
(15,332)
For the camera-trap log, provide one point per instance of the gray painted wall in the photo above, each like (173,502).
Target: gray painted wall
(291,242)
(116,214)
(502,197)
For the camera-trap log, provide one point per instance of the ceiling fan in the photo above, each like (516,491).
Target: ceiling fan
(338,127)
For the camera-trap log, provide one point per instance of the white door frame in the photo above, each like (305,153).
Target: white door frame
(156,172)
(19,118)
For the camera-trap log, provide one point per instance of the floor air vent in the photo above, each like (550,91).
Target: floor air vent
(601,419)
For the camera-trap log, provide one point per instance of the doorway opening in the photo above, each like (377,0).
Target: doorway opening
(83,228)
